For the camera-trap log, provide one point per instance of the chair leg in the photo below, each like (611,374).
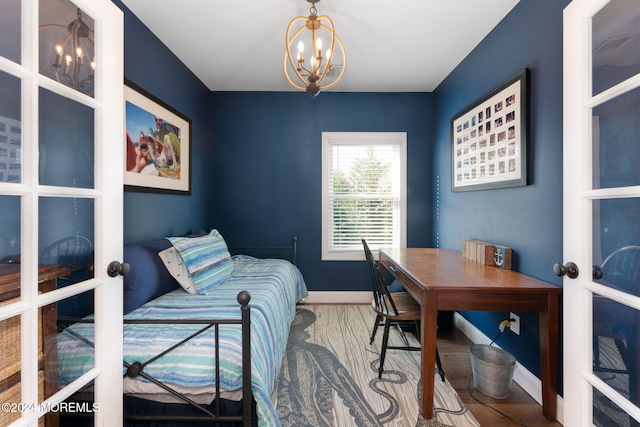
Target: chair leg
(402,335)
(375,328)
(439,364)
(596,351)
(383,352)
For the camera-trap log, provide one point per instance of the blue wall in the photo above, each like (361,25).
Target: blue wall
(527,219)
(267,169)
(152,66)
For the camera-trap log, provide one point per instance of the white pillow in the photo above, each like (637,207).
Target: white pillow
(177,268)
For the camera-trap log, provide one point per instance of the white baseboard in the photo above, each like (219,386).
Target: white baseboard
(521,375)
(332,297)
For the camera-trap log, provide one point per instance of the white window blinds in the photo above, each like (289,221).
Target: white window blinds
(363,195)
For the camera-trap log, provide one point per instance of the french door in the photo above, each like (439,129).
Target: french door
(61,128)
(601,213)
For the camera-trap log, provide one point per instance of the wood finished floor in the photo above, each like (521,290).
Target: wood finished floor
(454,351)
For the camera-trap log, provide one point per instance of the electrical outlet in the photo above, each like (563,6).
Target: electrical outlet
(514,319)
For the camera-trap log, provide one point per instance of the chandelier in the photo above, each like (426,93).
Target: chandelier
(319,67)
(67,54)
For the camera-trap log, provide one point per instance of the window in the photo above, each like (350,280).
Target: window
(364,179)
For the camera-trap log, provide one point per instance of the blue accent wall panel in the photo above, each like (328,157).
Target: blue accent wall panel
(152,66)
(527,219)
(266,162)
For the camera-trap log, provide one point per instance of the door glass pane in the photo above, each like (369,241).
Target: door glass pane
(10,128)
(608,414)
(10,30)
(66,237)
(68,337)
(10,364)
(9,231)
(66,131)
(616,245)
(615,346)
(67,45)
(616,133)
(615,44)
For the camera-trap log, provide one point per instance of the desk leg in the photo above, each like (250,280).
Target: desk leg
(428,332)
(548,322)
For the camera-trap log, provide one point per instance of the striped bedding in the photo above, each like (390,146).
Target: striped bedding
(275,287)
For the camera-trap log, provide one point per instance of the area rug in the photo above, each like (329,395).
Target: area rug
(320,385)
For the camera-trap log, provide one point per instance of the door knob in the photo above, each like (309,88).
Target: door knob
(115,268)
(597,272)
(570,270)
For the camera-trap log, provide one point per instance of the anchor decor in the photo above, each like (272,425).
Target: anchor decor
(498,258)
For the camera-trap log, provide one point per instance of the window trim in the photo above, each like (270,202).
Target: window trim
(360,138)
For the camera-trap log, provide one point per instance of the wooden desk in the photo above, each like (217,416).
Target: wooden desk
(441,279)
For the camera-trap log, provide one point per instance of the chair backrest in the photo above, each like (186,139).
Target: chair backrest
(622,269)
(72,252)
(381,295)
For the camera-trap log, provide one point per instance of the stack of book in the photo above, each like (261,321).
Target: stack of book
(487,253)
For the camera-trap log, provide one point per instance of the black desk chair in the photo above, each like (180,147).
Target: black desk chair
(76,254)
(395,310)
(72,252)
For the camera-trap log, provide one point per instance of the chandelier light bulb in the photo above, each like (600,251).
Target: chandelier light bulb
(328,54)
(300,47)
(59,51)
(66,67)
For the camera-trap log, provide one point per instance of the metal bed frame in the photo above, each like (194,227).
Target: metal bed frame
(273,250)
(136,369)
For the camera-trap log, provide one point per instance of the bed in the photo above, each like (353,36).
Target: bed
(203,326)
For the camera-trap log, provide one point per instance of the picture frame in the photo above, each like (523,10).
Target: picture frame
(489,139)
(157,144)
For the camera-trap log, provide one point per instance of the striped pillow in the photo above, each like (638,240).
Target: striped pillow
(207,259)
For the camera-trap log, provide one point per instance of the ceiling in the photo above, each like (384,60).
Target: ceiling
(392,46)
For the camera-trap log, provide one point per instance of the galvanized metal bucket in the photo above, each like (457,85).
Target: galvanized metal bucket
(492,370)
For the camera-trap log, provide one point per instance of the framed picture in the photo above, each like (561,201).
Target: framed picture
(157,144)
(489,139)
